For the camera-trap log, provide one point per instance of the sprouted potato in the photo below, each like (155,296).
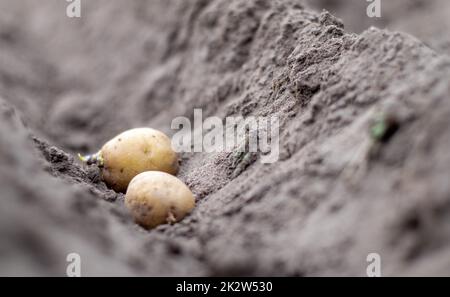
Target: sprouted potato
(156,198)
(133,152)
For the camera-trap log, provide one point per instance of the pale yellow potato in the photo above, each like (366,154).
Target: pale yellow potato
(133,152)
(156,198)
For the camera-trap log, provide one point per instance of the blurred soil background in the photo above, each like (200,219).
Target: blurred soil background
(336,194)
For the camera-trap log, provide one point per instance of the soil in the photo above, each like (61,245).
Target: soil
(337,193)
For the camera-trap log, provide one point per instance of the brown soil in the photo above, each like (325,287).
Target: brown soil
(336,195)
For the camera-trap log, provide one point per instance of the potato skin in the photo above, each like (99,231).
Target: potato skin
(156,198)
(136,151)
